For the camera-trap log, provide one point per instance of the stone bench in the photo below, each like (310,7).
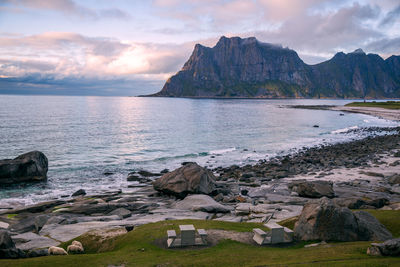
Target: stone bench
(187,237)
(203,236)
(188,233)
(171,241)
(276,234)
(259,236)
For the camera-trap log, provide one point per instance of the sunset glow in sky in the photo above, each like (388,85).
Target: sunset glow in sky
(134,46)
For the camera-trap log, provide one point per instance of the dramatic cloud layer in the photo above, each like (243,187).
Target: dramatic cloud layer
(64,42)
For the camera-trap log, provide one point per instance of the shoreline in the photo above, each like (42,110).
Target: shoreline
(362,173)
(388,114)
(383,113)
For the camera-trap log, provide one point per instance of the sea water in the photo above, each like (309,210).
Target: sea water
(85,137)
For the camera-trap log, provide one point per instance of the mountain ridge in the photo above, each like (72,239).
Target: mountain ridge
(248,68)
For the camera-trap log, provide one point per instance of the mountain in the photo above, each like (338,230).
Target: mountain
(237,67)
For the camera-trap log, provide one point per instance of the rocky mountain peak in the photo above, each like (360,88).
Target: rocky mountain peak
(246,67)
(358,51)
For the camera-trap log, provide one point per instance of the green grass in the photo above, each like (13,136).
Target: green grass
(11,216)
(289,223)
(387,104)
(138,248)
(389,218)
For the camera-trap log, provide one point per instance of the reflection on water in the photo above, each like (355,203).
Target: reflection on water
(85,136)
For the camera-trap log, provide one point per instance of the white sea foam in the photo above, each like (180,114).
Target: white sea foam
(222,151)
(344,129)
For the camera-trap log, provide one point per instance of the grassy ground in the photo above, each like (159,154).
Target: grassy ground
(137,248)
(387,104)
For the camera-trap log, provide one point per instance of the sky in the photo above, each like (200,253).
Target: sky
(128,47)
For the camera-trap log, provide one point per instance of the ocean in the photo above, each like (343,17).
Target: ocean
(86,136)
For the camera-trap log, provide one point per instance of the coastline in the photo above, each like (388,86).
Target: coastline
(363,174)
(388,114)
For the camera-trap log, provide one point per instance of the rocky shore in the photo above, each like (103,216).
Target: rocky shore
(361,174)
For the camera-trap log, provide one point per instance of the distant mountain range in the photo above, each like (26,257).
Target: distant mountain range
(237,67)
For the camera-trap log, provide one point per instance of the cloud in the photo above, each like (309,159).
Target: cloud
(64,54)
(315,28)
(385,46)
(345,27)
(68,7)
(48,85)
(391,17)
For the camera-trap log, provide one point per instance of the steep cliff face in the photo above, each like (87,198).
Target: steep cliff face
(355,75)
(237,67)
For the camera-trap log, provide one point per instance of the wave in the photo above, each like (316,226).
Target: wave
(222,151)
(344,129)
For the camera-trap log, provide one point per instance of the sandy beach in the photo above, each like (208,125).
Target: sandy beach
(389,114)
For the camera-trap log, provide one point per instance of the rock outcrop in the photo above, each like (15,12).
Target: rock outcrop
(237,67)
(312,189)
(7,247)
(188,179)
(31,166)
(388,248)
(324,220)
(201,203)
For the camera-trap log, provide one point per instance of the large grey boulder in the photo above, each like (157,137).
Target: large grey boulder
(31,166)
(312,189)
(7,247)
(188,179)
(324,220)
(201,203)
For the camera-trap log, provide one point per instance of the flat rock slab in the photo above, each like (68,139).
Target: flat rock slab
(4,225)
(201,203)
(28,241)
(67,232)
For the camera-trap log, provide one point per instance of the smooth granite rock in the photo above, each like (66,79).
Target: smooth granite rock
(324,220)
(201,203)
(188,179)
(312,189)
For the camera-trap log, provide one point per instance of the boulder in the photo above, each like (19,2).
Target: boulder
(394,179)
(201,203)
(24,225)
(31,166)
(7,247)
(312,189)
(121,212)
(188,179)
(40,221)
(324,220)
(388,248)
(80,192)
(360,203)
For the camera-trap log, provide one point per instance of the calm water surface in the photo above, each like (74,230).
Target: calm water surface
(83,137)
